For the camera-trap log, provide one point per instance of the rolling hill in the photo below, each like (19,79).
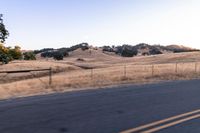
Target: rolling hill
(84,50)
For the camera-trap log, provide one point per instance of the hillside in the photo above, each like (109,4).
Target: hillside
(84,50)
(179,48)
(96,69)
(146,49)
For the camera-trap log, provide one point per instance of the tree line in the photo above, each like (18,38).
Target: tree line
(143,49)
(59,54)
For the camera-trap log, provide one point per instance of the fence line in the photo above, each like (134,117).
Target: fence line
(154,69)
(125,72)
(31,70)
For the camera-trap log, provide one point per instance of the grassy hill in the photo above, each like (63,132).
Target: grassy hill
(102,52)
(94,67)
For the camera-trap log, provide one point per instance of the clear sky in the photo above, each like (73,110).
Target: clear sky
(36,24)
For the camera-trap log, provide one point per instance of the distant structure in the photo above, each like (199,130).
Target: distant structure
(1,20)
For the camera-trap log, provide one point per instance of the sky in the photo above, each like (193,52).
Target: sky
(37,24)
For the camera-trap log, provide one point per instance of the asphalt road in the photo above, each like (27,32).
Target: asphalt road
(109,110)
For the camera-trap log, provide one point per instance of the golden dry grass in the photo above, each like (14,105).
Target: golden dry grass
(26,65)
(111,71)
(21,65)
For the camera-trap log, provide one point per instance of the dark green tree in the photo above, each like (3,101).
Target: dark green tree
(15,53)
(3,31)
(58,56)
(29,56)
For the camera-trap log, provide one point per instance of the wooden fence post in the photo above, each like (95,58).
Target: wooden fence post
(152,70)
(125,70)
(196,67)
(176,68)
(50,76)
(92,71)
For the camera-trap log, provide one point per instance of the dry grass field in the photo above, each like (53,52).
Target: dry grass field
(96,69)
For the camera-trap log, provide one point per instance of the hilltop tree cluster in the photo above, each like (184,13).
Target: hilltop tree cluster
(124,50)
(59,54)
(144,49)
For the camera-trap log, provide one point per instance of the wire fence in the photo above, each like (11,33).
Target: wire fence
(110,75)
(29,71)
(127,70)
(137,73)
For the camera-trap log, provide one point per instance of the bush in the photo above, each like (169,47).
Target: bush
(8,54)
(128,51)
(55,54)
(108,49)
(29,56)
(47,54)
(15,53)
(83,46)
(4,58)
(155,51)
(58,56)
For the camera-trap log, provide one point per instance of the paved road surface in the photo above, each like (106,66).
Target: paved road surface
(110,110)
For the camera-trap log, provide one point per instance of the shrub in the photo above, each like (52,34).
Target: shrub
(128,51)
(108,49)
(58,56)
(155,51)
(8,54)
(4,58)
(29,56)
(15,53)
